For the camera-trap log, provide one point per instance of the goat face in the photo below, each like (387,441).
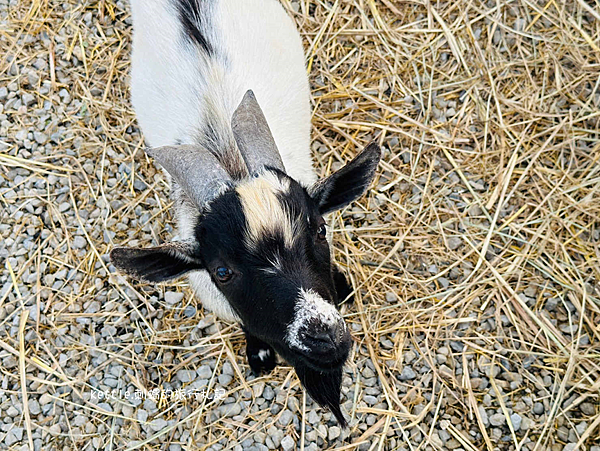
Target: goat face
(264,245)
(263,241)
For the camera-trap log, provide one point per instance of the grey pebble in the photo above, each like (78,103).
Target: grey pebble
(34,407)
(454,242)
(189,311)
(445,283)
(407,374)
(498,419)
(538,408)
(276,435)
(205,372)
(64,207)
(40,138)
(285,418)
(28,99)
(588,408)
(334,432)
(158,424)
(141,415)
(370,399)
(140,185)
(18,433)
(526,424)
(186,376)
(173,297)
(230,410)
(268,393)
(484,416)
(10,438)
(516,420)
(287,443)
(45,399)
(391,297)
(474,210)
(79,242)
(225,379)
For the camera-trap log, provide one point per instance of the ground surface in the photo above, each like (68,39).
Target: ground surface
(475,256)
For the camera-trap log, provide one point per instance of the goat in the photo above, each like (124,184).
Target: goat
(221,94)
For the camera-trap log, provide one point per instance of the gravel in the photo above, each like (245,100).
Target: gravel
(516,421)
(173,298)
(407,374)
(288,443)
(498,419)
(74,183)
(158,424)
(185,376)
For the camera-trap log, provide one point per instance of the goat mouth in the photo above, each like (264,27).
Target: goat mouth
(324,364)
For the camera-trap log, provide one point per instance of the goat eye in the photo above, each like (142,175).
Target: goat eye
(223,274)
(322,232)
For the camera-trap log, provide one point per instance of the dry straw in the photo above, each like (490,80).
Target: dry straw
(475,256)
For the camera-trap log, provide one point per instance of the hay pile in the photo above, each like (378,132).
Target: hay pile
(475,257)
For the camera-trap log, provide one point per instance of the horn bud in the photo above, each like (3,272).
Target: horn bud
(253,136)
(195,169)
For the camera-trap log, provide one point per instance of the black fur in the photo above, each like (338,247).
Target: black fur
(156,264)
(253,348)
(348,183)
(191,17)
(342,287)
(324,388)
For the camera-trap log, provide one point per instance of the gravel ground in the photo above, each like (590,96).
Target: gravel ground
(475,257)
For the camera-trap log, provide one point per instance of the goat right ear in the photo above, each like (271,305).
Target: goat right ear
(156,264)
(348,183)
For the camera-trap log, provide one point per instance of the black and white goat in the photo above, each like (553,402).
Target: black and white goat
(252,238)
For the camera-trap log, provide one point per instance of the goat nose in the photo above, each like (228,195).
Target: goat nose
(321,341)
(326,340)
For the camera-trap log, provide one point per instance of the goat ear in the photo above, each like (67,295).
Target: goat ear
(156,264)
(348,183)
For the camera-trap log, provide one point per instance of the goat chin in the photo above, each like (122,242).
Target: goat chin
(324,388)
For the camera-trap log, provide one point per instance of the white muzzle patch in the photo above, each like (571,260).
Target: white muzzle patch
(311,307)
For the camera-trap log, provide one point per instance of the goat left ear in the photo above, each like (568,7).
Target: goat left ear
(348,183)
(156,264)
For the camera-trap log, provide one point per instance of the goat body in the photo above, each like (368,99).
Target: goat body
(252,238)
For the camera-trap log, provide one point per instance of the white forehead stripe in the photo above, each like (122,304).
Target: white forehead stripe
(263,210)
(310,307)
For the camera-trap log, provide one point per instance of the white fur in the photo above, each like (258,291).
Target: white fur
(310,307)
(173,83)
(264,354)
(175,87)
(263,210)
